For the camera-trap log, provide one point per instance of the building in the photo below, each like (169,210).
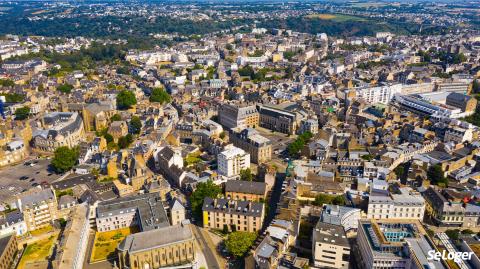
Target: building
(71,253)
(144,211)
(59,129)
(424,107)
(246,190)
(382,94)
(177,212)
(118,129)
(8,250)
(330,247)
(233,116)
(394,244)
(13,222)
(231,161)
(446,210)
(169,162)
(278,120)
(406,205)
(258,146)
(167,246)
(232,215)
(347,217)
(465,102)
(39,208)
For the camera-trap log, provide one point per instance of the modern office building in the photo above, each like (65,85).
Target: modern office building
(330,247)
(345,216)
(232,215)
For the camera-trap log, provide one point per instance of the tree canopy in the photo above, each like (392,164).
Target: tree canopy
(22,113)
(238,243)
(159,95)
(126,99)
(246,175)
(64,159)
(204,189)
(296,146)
(135,125)
(65,88)
(435,175)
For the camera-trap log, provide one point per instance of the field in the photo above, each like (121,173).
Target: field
(335,17)
(106,243)
(38,251)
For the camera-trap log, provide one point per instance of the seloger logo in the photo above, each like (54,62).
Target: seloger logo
(445,255)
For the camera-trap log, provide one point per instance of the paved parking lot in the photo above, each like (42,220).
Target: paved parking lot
(11,184)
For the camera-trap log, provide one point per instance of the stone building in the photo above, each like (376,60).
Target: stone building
(258,146)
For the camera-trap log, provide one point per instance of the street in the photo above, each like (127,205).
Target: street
(208,248)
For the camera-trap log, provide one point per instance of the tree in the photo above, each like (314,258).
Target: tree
(246,175)
(7,83)
(116,117)
(159,95)
(125,141)
(135,125)
(399,171)
(435,175)
(476,86)
(22,113)
(296,146)
(65,88)
(108,138)
(453,234)
(204,189)
(339,200)
(126,99)
(238,243)
(64,159)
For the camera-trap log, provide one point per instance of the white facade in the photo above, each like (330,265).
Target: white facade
(407,205)
(381,94)
(232,160)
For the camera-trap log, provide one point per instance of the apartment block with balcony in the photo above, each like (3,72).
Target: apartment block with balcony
(231,161)
(39,208)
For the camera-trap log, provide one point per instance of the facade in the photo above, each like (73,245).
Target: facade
(144,211)
(245,190)
(233,116)
(278,120)
(59,129)
(381,94)
(13,222)
(232,160)
(39,208)
(330,246)
(232,215)
(8,250)
(177,212)
(258,146)
(118,129)
(423,107)
(406,205)
(465,102)
(393,244)
(170,163)
(347,217)
(153,249)
(450,212)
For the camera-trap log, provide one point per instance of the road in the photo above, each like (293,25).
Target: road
(208,248)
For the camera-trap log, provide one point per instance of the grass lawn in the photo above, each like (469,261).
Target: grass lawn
(106,243)
(42,230)
(38,251)
(193,158)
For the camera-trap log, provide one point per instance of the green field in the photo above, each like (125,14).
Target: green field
(335,17)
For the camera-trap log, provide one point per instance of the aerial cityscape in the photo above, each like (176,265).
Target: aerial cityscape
(239,134)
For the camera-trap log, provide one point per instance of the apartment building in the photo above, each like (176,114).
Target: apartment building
(232,160)
(330,247)
(258,146)
(159,248)
(236,115)
(39,208)
(232,215)
(447,210)
(8,250)
(145,211)
(408,204)
(245,190)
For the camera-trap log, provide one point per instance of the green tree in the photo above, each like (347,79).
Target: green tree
(296,146)
(203,190)
(116,117)
(339,200)
(65,88)
(453,234)
(238,243)
(322,199)
(476,86)
(246,174)
(399,171)
(126,99)
(136,125)
(123,142)
(22,113)
(7,83)
(159,95)
(14,98)
(64,159)
(108,137)
(435,175)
